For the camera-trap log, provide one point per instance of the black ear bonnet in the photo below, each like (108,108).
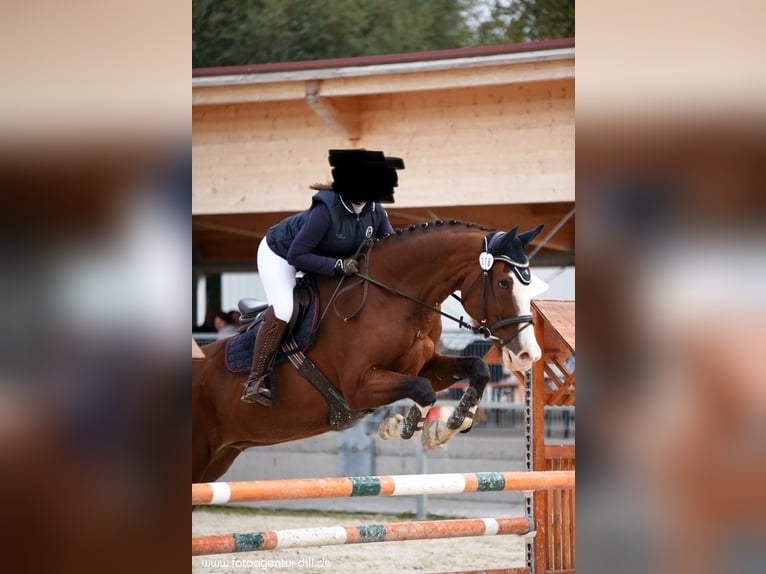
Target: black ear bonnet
(511,247)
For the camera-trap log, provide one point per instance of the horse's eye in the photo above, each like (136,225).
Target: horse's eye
(503,284)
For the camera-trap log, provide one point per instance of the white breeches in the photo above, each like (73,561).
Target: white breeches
(278,278)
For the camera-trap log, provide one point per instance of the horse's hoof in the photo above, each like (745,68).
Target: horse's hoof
(432,432)
(461,420)
(389,427)
(455,421)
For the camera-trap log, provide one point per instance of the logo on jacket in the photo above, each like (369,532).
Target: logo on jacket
(368,233)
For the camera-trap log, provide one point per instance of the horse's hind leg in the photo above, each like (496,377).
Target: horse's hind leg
(201,451)
(209,460)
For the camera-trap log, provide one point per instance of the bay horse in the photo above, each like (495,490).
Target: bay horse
(379,345)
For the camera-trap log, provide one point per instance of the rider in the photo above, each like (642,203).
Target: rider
(323,239)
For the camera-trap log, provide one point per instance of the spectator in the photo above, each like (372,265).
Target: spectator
(224,325)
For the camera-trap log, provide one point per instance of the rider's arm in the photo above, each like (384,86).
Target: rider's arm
(384,227)
(301,253)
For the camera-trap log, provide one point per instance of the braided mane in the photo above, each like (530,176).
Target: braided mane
(428,225)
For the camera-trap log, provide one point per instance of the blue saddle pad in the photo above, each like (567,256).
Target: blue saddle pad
(239,349)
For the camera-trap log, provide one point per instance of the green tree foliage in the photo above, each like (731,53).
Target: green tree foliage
(527,20)
(230,32)
(233,32)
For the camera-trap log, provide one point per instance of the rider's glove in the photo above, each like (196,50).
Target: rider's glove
(346,267)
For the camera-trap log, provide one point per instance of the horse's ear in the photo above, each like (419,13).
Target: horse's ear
(507,240)
(528,236)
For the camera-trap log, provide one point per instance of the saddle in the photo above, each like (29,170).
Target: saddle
(301,334)
(301,327)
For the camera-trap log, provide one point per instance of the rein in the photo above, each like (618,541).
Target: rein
(482,328)
(368,279)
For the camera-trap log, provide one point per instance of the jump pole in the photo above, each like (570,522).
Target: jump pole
(336,535)
(401,485)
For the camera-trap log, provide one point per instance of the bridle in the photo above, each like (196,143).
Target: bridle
(487,331)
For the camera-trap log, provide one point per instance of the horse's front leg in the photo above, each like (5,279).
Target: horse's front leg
(381,387)
(443,371)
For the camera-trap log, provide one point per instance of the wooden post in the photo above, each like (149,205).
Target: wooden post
(538,445)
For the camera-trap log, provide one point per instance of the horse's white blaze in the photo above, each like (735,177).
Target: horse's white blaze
(529,350)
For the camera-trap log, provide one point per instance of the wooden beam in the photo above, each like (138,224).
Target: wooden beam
(344,120)
(232,239)
(228,229)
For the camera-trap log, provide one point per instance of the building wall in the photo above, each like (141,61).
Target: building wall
(490,144)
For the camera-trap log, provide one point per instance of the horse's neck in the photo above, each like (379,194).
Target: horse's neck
(431,264)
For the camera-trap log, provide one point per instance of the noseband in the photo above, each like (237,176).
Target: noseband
(488,331)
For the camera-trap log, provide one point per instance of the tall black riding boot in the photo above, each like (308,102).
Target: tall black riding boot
(258,387)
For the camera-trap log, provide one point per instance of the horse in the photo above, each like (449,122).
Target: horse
(379,345)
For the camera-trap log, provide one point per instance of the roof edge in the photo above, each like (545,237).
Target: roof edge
(476,51)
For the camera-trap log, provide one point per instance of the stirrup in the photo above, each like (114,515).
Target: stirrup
(259,393)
